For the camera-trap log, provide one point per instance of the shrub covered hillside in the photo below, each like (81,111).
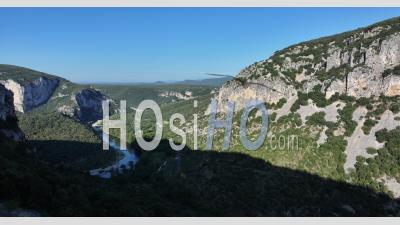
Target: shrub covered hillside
(340,93)
(334,99)
(55,115)
(334,95)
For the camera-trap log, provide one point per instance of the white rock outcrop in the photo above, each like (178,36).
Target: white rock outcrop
(185,96)
(32,94)
(264,89)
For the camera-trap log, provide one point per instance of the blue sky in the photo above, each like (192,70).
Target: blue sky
(150,44)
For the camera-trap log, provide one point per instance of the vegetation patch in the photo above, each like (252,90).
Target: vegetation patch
(393,71)
(316,119)
(368,125)
(346,115)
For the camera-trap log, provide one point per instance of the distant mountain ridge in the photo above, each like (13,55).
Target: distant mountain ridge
(211,82)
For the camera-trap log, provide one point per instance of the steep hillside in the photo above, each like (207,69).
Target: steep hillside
(342,109)
(360,63)
(53,112)
(340,95)
(33,89)
(30,88)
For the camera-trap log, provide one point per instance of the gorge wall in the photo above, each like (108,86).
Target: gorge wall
(360,63)
(32,94)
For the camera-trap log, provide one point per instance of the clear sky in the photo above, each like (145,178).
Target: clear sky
(150,44)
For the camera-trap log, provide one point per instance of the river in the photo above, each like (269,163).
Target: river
(128,160)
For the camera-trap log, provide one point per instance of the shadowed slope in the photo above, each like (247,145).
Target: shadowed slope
(190,183)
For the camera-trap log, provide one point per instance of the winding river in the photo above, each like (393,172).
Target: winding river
(128,160)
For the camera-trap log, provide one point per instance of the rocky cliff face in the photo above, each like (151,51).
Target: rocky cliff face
(89,105)
(8,120)
(240,94)
(360,63)
(32,94)
(32,88)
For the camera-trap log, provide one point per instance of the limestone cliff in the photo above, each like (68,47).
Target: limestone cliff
(31,94)
(8,120)
(89,105)
(360,63)
(85,104)
(350,81)
(32,89)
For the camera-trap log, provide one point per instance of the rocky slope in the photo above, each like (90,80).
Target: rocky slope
(30,95)
(343,92)
(58,130)
(89,105)
(8,119)
(32,89)
(360,63)
(81,102)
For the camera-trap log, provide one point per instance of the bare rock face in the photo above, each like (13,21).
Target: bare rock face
(334,59)
(185,96)
(392,86)
(66,110)
(8,119)
(32,88)
(32,94)
(89,105)
(366,79)
(254,90)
